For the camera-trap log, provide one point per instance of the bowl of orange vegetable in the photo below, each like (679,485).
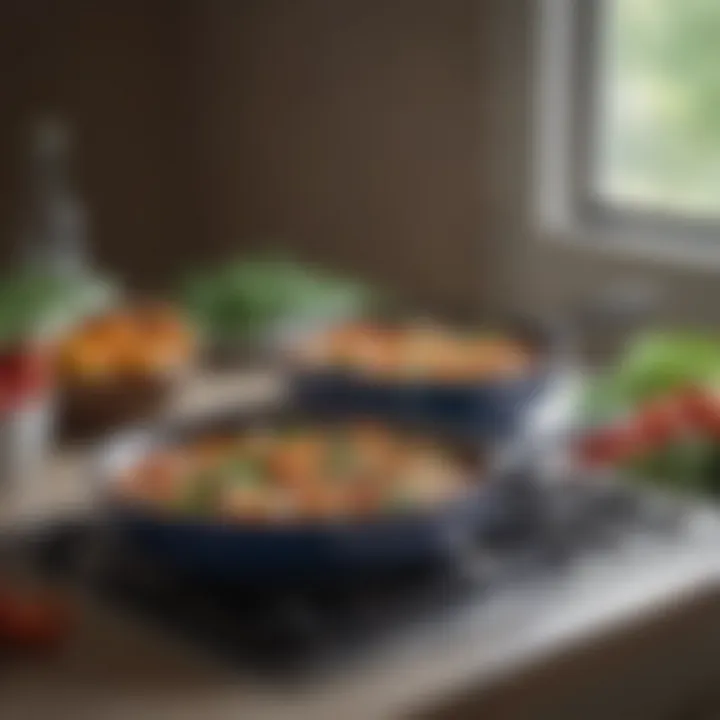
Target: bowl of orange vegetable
(122,366)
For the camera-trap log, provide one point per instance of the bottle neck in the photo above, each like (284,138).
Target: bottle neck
(54,238)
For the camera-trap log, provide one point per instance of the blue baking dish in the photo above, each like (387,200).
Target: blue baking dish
(492,409)
(303,552)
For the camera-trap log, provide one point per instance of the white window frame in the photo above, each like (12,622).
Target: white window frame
(566,106)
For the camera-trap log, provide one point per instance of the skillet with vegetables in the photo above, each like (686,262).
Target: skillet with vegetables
(305,473)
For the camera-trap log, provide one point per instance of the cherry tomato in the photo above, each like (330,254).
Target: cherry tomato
(659,422)
(31,621)
(702,410)
(23,374)
(611,445)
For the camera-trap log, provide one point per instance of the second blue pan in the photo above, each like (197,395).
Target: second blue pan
(492,410)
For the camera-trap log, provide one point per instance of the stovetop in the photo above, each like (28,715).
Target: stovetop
(299,630)
(570,554)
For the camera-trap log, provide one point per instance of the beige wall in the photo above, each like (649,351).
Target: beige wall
(118,71)
(376,135)
(350,130)
(395,136)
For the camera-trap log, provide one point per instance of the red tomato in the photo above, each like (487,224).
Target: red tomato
(611,445)
(24,372)
(660,422)
(702,410)
(32,621)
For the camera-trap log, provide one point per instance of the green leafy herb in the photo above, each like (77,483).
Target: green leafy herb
(32,303)
(683,465)
(200,494)
(399,500)
(244,299)
(241,471)
(654,364)
(342,457)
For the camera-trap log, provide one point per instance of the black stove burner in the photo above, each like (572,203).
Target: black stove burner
(304,628)
(270,629)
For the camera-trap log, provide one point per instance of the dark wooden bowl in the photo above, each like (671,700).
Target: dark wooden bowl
(90,409)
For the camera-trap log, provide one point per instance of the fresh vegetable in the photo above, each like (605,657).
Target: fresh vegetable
(673,440)
(702,409)
(243,300)
(660,421)
(32,621)
(655,364)
(659,412)
(684,464)
(611,445)
(24,372)
(33,303)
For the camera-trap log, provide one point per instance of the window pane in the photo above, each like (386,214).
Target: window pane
(658,144)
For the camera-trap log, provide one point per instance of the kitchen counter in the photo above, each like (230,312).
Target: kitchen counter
(639,632)
(66,484)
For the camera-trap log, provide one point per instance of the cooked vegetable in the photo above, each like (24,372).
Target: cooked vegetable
(342,456)
(341,472)
(198,494)
(416,352)
(137,341)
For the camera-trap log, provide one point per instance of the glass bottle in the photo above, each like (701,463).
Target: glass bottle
(54,237)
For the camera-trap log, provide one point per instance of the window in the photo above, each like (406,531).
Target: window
(630,114)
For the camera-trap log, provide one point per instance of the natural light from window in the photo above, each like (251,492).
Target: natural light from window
(658,130)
